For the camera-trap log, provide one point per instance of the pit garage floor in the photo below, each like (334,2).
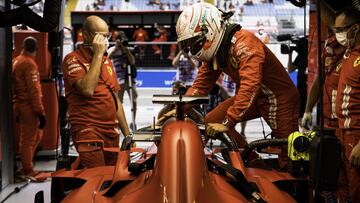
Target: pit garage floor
(145,113)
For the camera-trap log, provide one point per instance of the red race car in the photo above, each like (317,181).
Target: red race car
(178,168)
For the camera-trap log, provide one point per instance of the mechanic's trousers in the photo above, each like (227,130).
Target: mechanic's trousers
(282,123)
(30,136)
(91,136)
(349,177)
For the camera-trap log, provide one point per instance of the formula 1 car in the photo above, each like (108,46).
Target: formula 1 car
(178,168)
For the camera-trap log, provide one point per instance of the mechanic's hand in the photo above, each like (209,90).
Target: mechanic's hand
(99,45)
(355,156)
(166,116)
(133,144)
(306,120)
(214,128)
(42,121)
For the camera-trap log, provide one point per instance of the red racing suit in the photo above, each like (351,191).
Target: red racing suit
(28,107)
(348,112)
(92,119)
(264,88)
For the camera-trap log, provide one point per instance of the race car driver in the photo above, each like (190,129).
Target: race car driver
(264,88)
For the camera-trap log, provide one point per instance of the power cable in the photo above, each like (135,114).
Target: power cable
(16,190)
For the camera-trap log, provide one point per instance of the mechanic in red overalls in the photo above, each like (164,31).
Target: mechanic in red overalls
(141,35)
(347,32)
(91,87)
(333,54)
(163,34)
(28,106)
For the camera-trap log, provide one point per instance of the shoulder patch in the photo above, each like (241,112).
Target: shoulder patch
(242,51)
(356,62)
(109,70)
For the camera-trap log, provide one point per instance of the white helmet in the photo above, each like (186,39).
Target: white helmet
(200,28)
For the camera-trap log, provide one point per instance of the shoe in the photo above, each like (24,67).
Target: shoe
(34,176)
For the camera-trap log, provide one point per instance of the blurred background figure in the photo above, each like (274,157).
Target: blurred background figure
(141,35)
(28,106)
(249,2)
(186,67)
(162,36)
(124,63)
(79,36)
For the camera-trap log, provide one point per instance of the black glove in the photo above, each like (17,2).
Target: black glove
(17,119)
(42,121)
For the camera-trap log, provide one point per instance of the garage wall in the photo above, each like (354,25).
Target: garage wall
(7,151)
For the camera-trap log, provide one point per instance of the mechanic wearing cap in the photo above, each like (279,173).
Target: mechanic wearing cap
(264,88)
(347,32)
(28,107)
(95,110)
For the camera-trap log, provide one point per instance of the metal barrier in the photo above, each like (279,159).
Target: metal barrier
(151,54)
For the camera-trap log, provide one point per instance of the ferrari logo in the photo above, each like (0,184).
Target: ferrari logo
(357,62)
(109,70)
(328,61)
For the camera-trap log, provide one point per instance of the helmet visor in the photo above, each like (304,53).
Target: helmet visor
(194,44)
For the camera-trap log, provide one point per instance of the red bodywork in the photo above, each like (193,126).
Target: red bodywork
(180,175)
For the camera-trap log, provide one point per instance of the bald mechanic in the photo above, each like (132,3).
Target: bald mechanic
(28,106)
(264,88)
(91,88)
